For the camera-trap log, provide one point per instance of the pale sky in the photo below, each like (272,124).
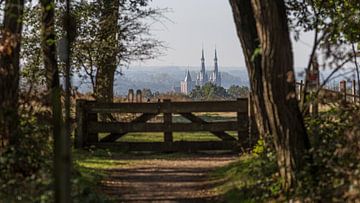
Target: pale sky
(208,23)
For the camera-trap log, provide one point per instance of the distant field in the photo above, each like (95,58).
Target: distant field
(182,136)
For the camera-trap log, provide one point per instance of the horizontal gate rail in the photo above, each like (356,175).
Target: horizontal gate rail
(179,146)
(120,127)
(175,107)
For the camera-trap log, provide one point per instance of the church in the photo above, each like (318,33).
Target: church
(202,77)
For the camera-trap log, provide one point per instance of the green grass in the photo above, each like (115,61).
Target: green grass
(181,136)
(91,167)
(250,179)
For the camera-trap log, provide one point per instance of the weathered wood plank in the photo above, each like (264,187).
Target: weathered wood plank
(168,137)
(217,132)
(178,146)
(80,122)
(120,127)
(114,136)
(92,136)
(174,107)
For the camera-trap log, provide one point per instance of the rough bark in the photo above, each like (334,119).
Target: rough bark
(247,33)
(61,143)
(263,24)
(67,75)
(285,119)
(9,71)
(107,61)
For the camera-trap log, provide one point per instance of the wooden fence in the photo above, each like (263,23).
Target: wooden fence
(343,93)
(89,124)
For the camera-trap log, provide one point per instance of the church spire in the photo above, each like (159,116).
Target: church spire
(216,76)
(188,76)
(202,55)
(216,62)
(202,75)
(215,55)
(202,60)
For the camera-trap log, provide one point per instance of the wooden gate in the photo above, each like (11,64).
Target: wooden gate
(89,125)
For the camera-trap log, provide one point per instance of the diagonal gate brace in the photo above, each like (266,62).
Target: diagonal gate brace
(141,119)
(220,134)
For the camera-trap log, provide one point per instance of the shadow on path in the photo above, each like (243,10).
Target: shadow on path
(156,179)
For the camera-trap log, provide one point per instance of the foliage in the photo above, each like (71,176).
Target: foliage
(32,71)
(338,20)
(335,25)
(336,160)
(26,169)
(236,91)
(134,40)
(147,94)
(331,176)
(252,178)
(211,91)
(208,92)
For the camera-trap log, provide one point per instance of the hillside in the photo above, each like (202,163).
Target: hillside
(164,79)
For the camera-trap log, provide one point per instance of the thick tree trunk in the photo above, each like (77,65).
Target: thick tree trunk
(9,71)
(107,61)
(263,24)
(61,142)
(247,33)
(285,119)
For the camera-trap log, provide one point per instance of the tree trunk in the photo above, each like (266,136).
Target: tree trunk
(285,119)
(9,71)
(61,143)
(107,61)
(263,24)
(246,30)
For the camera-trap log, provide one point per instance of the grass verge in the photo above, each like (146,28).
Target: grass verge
(90,168)
(252,178)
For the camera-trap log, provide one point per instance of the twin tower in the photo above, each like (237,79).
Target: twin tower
(202,77)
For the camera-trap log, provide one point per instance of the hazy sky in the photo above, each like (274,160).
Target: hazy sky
(207,22)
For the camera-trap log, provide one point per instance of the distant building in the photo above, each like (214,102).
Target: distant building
(187,85)
(176,89)
(215,76)
(202,77)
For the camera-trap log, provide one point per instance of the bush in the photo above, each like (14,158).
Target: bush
(26,169)
(335,170)
(253,178)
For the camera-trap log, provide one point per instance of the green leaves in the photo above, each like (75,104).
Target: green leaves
(257,53)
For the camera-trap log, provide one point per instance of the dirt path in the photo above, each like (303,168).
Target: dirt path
(169,179)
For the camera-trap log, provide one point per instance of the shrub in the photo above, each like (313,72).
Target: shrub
(335,170)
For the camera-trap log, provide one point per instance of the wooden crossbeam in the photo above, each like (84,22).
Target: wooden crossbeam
(177,146)
(220,134)
(124,127)
(141,119)
(175,107)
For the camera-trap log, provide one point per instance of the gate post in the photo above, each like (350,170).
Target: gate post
(252,127)
(353,91)
(243,125)
(300,89)
(168,137)
(80,134)
(138,96)
(342,90)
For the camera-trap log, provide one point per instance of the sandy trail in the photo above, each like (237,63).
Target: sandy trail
(183,179)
